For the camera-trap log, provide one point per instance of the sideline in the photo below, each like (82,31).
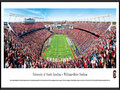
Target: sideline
(45,52)
(72,52)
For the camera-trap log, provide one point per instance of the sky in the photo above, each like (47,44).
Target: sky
(58,14)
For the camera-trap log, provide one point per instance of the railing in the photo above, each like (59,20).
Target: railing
(31,31)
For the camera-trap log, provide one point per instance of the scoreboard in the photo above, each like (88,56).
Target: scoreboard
(29,21)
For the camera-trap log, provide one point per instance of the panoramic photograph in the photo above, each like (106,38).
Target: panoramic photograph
(59,38)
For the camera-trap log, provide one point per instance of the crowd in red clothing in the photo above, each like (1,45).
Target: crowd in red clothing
(95,27)
(14,55)
(25,52)
(20,27)
(35,41)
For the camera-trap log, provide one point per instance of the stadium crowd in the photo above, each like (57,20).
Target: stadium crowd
(20,28)
(14,55)
(96,27)
(25,52)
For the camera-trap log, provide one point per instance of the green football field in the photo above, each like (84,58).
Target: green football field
(58,47)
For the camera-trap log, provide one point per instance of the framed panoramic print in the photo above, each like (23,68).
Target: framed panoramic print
(60,44)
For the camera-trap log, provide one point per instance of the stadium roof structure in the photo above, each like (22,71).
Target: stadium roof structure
(99,18)
(95,18)
(22,17)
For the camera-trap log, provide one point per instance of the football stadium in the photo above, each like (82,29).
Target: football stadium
(87,42)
